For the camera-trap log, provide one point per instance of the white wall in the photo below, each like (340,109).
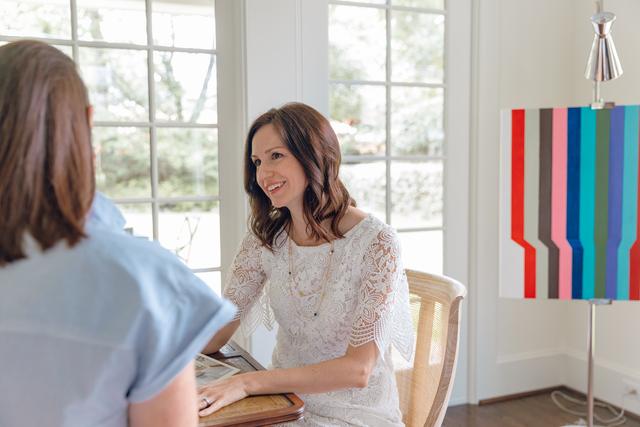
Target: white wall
(456,260)
(532,53)
(518,346)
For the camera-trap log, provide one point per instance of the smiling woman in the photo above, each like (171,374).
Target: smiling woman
(297,141)
(330,274)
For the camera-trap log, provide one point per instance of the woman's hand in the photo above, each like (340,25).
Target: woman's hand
(222,393)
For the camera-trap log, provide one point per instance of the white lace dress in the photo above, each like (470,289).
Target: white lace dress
(366,299)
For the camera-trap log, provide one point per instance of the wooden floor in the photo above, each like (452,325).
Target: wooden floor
(531,411)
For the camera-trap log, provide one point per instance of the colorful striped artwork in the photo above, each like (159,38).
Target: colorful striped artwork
(569,222)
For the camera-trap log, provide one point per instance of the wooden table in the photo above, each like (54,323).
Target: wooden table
(261,410)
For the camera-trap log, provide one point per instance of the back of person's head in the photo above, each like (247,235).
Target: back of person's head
(46,168)
(308,135)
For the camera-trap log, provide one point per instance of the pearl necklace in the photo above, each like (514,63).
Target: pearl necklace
(325,277)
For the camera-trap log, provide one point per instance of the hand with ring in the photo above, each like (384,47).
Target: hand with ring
(222,393)
(205,402)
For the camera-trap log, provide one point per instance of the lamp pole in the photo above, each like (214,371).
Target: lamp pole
(593,303)
(596,83)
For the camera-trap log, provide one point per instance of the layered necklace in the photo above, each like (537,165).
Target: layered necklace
(324,279)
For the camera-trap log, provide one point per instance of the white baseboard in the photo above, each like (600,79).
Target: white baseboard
(608,380)
(534,370)
(528,355)
(521,372)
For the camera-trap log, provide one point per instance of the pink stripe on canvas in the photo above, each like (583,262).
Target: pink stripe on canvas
(559,201)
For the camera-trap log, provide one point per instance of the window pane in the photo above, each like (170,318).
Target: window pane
(358,118)
(417,125)
(186,87)
(187,162)
(416,194)
(122,161)
(192,231)
(417,47)
(422,250)
(50,18)
(366,183)
(212,279)
(124,21)
(357,43)
(427,4)
(182,23)
(117,81)
(139,219)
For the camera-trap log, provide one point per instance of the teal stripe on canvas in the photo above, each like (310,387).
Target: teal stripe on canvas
(629,199)
(587,199)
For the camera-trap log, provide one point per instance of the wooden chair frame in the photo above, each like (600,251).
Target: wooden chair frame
(449,293)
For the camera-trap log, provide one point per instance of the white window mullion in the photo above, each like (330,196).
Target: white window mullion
(74,30)
(232,94)
(156,125)
(388,70)
(371,158)
(155,209)
(418,229)
(160,200)
(383,83)
(387,5)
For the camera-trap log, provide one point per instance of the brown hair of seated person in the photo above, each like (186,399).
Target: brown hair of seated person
(308,135)
(46,171)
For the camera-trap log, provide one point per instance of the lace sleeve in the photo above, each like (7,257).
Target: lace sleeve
(245,283)
(383,314)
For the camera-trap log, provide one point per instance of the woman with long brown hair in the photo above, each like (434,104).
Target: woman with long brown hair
(329,274)
(97,328)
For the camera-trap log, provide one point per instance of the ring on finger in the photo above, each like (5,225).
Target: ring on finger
(206,401)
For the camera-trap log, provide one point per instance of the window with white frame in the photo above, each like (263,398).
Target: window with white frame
(150,66)
(387,102)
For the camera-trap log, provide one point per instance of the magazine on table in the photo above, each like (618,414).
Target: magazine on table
(209,370)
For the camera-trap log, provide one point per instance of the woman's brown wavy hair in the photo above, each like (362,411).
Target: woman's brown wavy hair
(308,135)
(46,167)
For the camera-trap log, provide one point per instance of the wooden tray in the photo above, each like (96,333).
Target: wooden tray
(253,410)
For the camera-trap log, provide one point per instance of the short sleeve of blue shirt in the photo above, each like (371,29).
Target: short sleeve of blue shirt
(177,322)
(179,313)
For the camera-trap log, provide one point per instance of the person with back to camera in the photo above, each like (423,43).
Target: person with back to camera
(97,328)
(330,274)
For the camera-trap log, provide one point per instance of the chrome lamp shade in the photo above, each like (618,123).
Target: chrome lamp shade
(603,63)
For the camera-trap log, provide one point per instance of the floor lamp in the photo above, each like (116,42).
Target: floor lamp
(569,198)
(603,65)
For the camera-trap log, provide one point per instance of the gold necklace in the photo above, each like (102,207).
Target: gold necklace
(325,277)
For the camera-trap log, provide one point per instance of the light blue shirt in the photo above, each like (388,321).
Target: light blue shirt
(105,212)
(86,331)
